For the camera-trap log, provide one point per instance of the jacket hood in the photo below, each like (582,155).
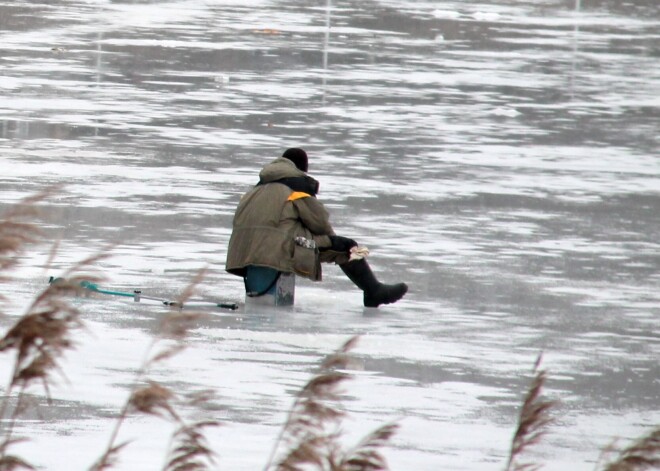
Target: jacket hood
(278,169)
(284,171)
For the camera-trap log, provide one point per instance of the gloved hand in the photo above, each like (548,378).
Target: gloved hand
(341,244)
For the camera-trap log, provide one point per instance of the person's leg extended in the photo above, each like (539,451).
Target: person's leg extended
(375,292)
(359,272)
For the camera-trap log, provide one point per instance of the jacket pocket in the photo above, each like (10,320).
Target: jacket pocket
(305,257)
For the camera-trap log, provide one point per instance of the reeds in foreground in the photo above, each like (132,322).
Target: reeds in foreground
(641,455)
(366,454)
(190,451)
(18,231)
(532,421)
(10,462)
(152,398)
(310,435)
(40,338)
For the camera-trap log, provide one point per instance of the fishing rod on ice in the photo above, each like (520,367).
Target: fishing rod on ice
(138,296)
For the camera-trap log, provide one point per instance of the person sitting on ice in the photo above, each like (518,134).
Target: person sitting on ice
(281,224)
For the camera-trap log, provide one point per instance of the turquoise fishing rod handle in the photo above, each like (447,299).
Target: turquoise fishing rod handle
(88,285)
(115,293)
(96,289)
(118,293)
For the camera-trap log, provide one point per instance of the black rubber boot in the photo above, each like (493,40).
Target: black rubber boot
(375,292)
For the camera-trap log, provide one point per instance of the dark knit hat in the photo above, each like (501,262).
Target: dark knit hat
(298,157)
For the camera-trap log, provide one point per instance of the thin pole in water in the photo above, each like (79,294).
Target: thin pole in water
(576,32)
(99,52)
(326,42)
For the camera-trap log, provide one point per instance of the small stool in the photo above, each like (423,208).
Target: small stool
(268,287)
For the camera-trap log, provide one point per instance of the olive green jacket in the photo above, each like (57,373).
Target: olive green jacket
(269,218)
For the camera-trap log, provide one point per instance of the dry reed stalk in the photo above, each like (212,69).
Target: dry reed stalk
(44,333)
(311,429)
(109,459)
(10,462)
(533,419)
(303,430)
(39,339)
(641,455)
(18,230)
(366,456)
(190,451)
(154,398)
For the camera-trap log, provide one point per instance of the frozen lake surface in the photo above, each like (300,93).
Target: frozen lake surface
(502,158)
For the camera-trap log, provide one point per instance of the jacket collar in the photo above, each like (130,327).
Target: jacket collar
(284,171)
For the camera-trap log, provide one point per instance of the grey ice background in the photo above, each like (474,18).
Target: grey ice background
(501,157)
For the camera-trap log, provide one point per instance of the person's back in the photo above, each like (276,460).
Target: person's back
(269,218)
(281,211)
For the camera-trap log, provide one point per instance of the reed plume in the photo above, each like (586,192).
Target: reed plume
(311,434)
(110,458)
(39,341)
(303,430)
(10,462)
(153,399)
(532,421)
(366,455)
(18,230)
(190,451)
(641,455)
(150,397)
(44,333)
